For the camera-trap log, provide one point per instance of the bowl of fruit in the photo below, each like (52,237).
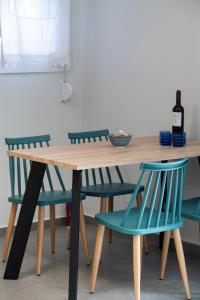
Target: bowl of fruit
(120,138)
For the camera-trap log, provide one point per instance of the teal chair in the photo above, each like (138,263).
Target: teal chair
(49,196)
(190,211)
(148,218)
(105,189)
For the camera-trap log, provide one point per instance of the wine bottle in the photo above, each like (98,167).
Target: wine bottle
(178,115)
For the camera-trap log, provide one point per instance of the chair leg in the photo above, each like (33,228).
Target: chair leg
(84,236)
(97,255)
(41,211)
(110,209)
(9,231)
(145,239)
(52,227)
(103,207)
(141,248)
(181,260)
(165,250)
(136,266)
(103,204)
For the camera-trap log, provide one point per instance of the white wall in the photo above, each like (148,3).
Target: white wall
(135,54)
(128,59)
(30,105)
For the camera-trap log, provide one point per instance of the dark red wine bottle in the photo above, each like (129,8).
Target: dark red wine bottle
(178,115)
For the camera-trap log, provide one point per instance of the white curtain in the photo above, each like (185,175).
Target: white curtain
(35,34)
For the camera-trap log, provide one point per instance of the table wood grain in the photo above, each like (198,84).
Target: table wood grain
(103,154)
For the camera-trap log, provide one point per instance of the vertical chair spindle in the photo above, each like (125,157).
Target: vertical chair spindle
(161,199)
(167,204)
(152,206)
(144,201)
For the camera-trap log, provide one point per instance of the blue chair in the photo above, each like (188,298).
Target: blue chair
(106,189)
(148,218)
(190,211)
(49,196)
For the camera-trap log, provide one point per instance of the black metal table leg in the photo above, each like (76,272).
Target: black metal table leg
(161,238)
(74,250)
(25,219)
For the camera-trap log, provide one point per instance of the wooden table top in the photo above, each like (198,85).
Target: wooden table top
(103,154)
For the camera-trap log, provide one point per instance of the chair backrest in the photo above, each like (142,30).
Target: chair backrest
(160,178)
(94,136)
(19,168)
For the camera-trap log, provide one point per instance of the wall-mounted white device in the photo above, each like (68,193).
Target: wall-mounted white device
(65,91)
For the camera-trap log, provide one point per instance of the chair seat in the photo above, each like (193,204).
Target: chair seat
(48,198)
(191,209)
(113,221)
(110,189)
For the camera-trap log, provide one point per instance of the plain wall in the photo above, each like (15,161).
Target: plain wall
(128,59)
(135,55)
(30,105)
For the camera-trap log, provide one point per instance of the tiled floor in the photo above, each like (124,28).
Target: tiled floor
(114,278)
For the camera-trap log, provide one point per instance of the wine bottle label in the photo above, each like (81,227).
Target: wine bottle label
(176,119)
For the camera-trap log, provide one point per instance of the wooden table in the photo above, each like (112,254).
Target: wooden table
(77,158)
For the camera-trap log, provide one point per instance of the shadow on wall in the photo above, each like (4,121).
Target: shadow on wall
(194,129)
